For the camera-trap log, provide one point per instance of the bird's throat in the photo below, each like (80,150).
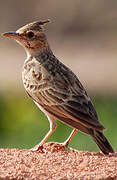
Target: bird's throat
(37,49)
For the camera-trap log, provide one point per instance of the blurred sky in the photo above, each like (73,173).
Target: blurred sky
(82,34)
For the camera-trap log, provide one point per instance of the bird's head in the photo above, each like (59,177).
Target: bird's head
(30,36)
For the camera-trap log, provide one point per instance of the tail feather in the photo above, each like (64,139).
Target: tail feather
(102,142)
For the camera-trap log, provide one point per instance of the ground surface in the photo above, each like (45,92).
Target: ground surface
(56,163)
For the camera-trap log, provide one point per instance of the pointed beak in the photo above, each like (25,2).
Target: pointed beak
(12,35)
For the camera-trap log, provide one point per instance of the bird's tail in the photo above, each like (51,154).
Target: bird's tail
(102,142)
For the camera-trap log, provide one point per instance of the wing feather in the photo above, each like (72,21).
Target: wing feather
(64,97)
(72,110)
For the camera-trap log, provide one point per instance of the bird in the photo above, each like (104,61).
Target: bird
(55,89)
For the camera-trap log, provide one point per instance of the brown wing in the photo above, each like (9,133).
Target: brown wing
(69,108)
(64,97)
(74,113)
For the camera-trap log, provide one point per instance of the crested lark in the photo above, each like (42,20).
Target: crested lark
(55,89)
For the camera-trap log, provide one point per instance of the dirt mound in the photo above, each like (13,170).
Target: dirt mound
(56,163)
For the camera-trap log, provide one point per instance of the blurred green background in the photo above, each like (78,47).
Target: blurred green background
(84,37)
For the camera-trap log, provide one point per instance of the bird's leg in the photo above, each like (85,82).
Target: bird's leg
(67,141)
(52,129)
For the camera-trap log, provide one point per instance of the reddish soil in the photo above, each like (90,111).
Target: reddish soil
(56,163)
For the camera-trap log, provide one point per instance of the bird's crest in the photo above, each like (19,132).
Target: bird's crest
(37,26)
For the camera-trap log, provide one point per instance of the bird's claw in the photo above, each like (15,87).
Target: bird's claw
(38,149)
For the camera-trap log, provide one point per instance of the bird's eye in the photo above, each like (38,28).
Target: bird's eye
(30,34)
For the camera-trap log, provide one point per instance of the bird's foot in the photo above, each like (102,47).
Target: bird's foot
(51,147)
(38,148)
(55,146)
(66,145)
